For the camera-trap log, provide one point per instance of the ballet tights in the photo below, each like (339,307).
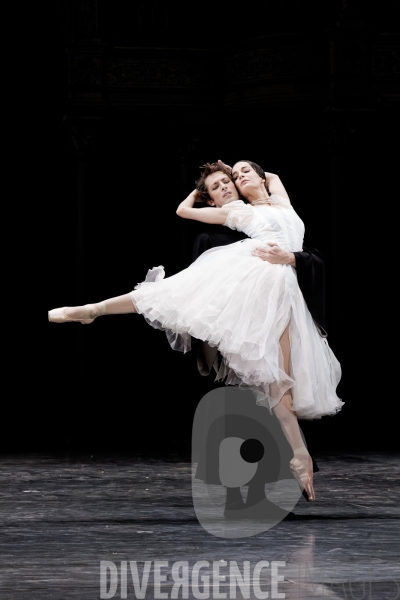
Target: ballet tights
(284,411)
(120,305)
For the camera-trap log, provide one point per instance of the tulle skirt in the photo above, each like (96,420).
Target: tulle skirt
(242,305)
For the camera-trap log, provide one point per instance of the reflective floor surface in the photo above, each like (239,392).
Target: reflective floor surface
(124,526)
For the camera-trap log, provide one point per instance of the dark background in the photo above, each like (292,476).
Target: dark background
(122,103)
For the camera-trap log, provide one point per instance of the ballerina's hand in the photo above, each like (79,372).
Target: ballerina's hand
(274,254)
(225,165)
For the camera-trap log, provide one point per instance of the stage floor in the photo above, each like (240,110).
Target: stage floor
(61,515)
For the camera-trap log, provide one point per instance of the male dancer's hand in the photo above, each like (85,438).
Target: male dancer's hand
(276,255)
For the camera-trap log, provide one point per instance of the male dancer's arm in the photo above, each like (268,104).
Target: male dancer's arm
(310,267)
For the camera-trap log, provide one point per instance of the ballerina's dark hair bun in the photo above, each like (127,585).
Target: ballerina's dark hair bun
(259,170)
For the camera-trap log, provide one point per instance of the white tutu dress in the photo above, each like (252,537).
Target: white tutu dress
(242,305)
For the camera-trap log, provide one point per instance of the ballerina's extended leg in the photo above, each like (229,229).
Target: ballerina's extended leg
(301,464)
(87,313)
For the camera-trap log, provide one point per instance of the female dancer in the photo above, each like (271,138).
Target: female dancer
(252,310)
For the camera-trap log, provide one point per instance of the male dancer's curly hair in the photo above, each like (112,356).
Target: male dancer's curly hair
(206,170)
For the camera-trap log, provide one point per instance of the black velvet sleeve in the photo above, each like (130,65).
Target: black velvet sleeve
(310,269)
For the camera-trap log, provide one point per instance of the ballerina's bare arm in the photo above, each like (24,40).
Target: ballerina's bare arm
(215,216)
(275,185)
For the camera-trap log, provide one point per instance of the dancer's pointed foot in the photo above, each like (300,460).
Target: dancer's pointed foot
(82,314)
(303,473)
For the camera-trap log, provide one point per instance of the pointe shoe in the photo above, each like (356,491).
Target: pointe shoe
(304,477)
(85,315)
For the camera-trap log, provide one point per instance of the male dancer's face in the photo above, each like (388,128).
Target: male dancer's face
(221,189)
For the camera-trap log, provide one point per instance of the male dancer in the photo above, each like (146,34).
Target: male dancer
(310,268)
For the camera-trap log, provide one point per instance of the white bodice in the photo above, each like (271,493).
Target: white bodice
(278,223)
